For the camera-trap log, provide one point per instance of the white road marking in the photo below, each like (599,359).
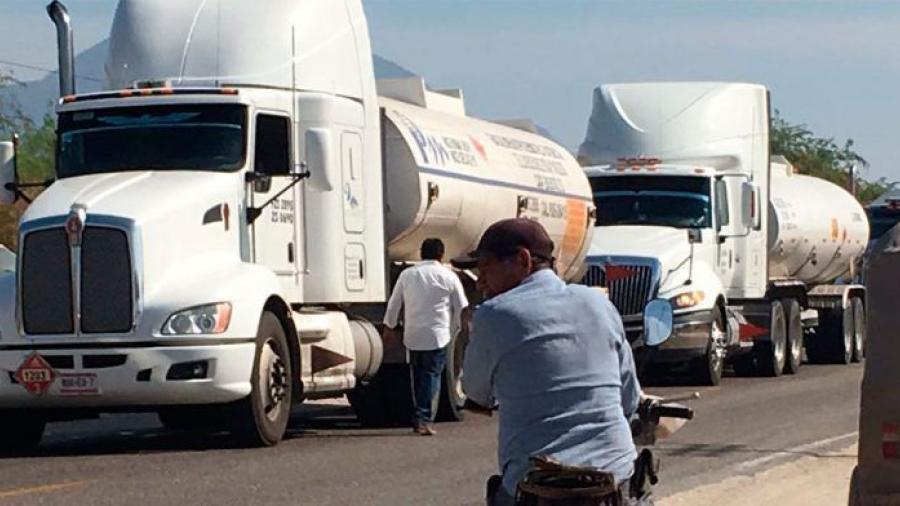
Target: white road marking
(750,464)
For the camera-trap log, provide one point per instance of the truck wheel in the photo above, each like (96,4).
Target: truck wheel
(794,336)
(386,400)
(708,370)
(771,355)
(833,341)
(22,431)
(859,329)
(262,417)
(452,395)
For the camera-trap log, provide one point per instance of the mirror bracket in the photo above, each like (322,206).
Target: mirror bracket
(252,177)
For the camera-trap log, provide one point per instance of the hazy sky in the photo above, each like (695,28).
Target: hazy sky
(834,65)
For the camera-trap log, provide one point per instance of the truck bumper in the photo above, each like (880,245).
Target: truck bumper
(690,339)
(121,376)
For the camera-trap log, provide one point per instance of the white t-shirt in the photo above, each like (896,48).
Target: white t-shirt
(432,299)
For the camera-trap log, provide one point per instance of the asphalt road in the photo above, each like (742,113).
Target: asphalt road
(742,427)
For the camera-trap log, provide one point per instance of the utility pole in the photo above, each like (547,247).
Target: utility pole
(853,169)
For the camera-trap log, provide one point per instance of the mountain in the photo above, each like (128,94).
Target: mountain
(36,97)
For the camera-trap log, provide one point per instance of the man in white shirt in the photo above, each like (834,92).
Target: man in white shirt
(432,299)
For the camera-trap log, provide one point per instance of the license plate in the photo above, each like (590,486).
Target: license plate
(78,384)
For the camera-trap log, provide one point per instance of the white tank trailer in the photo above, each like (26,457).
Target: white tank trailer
(756,260)
(817,230)
(229,217)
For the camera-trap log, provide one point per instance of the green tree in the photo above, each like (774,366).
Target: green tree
(823,157)
(34,155)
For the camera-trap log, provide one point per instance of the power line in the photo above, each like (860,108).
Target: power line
(44,69)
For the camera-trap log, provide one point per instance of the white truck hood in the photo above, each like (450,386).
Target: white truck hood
(670,246)
(180,218)
(662,243)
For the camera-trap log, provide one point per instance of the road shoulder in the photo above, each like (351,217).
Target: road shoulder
(822,479)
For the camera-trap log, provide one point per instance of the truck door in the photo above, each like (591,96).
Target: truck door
(725,254)
(733,233)
(274,232)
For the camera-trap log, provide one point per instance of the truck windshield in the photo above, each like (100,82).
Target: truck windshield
(882,220)
(159,137)
(668,201)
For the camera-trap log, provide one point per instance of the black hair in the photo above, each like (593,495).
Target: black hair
(432,249)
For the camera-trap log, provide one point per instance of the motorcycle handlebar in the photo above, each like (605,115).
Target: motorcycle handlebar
(669,411)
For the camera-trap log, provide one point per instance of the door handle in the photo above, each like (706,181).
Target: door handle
(291,252)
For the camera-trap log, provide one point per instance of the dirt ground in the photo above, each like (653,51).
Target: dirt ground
(816,480)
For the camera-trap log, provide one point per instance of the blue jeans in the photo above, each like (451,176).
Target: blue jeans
(427,370)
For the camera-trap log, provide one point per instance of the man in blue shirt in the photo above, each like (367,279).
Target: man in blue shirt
(553,357)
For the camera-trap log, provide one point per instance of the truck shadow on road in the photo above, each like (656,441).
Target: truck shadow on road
(143,434)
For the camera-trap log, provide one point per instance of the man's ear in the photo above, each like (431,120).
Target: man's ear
(524,259)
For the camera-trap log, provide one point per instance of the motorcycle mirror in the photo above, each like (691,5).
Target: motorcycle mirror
(657,322)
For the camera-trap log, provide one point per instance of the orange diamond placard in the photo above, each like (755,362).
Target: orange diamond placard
(35,374)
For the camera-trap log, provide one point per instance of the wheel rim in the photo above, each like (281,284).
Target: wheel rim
(859,340)
(459,355)
(272,381)
(796,349)
(848,340)
(716,356)
(779,345)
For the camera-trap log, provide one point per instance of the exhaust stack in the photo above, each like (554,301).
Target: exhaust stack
(65,47)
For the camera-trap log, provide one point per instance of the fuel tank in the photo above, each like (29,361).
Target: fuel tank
(450,176)
(816,228)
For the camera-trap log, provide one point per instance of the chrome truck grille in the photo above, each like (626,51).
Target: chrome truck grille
(630,285)
(75,282)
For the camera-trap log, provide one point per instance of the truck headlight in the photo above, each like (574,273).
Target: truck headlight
(687,299)
(208,319)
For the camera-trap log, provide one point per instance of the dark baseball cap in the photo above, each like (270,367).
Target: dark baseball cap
(505,238)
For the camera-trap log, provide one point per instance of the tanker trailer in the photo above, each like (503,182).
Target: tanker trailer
(817,232)
(681,175)
(451,176)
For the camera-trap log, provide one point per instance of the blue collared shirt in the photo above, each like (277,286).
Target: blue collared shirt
(555,359)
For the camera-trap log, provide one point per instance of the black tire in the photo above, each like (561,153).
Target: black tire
(859,329)
(833,340)
(22,431)
(771,354)
(452,395)
(262,417)
(744,365)
(386,400)
(708,369)
(794,327)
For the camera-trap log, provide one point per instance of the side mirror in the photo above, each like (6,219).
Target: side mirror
(262,183)
(658,324)
(695,236)
(319,160)
(7,172)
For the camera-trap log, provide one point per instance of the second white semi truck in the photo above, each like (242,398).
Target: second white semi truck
(755,259)
(229,216)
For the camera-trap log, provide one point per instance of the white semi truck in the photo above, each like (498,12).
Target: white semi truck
(229,216)
(693,208)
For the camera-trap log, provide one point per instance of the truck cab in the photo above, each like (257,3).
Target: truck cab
(663,231)
(206,208)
